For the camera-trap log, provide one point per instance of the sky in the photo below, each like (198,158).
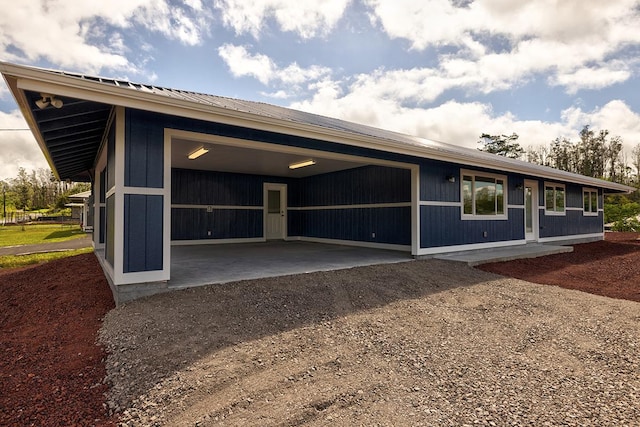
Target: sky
(447,70)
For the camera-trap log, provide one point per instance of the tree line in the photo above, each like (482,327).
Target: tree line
(595,153)
(36,190)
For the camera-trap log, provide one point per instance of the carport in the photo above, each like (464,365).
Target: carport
(198,265)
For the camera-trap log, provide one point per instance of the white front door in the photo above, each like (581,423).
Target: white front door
(531,210)
(275,211)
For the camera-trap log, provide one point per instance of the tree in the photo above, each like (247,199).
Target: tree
(502,145)
(23,189)
(635,162)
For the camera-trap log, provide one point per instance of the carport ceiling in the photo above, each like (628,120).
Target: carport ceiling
(226,158)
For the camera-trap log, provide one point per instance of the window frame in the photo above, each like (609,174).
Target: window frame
(555,187)
(474,216)
(590,191)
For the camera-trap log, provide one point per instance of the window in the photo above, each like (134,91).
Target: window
(483,196)
(590,201)
(554,197)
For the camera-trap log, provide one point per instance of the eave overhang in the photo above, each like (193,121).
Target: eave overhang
(23,80)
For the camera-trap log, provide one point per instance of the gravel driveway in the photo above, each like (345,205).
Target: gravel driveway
(418,343)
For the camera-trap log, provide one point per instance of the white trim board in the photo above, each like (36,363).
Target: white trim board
(571,237)
(186,206)
(217,241)
(362,206)
(469,247)
(436,203)
(357,243)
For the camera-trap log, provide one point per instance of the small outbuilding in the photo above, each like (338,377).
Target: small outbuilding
(171,167)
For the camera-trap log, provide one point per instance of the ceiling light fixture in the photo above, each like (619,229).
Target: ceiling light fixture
(48,100)
(199,152)
(302,164)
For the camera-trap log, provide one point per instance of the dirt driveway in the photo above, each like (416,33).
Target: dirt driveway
(418,343)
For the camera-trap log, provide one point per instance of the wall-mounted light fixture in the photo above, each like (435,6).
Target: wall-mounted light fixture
(199,152)
(519,186)
(451,178)
(49,100)
(302,164)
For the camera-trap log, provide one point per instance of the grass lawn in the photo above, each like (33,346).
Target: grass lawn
(13,261)
(13,235)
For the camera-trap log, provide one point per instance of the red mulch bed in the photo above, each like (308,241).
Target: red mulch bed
(610,268)
(51,369)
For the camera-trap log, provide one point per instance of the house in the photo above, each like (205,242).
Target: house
(79,204)
(172,167)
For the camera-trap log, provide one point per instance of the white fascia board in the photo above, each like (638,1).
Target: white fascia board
(44,81)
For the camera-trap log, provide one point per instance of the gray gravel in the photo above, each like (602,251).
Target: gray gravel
(418,343)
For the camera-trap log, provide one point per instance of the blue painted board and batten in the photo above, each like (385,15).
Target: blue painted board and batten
(339,205)
(440,221)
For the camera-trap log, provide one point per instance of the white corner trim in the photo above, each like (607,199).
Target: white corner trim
(217,241)
(373,245)
(118,199)
(415,209)
(470,247)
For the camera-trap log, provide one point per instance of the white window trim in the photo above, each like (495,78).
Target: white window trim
(474,217)
(590,190)
(554,185)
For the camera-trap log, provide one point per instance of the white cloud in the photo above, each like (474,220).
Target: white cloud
(461,123)
(17,148)
(85,35)
(591,78)
(572,39)
(615,116)
(242,63)
(305,18)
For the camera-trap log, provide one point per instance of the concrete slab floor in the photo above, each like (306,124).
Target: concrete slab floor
(208,264)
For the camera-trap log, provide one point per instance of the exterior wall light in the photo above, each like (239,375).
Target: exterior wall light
(48,100)
(451,178)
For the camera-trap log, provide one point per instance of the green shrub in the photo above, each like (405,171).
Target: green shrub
(627,224)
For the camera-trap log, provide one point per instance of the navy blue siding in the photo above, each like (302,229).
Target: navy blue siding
(442,226)
(103,185)
(196,187)
(434,185)
(572,223)
(111,157)
(161,121)
(574,196)
(390,225)
(362,185)
(194,224)
(103,222)
(110,229)
(142,232)
(144,152)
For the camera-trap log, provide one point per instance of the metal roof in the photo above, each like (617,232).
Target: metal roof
(90,98)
